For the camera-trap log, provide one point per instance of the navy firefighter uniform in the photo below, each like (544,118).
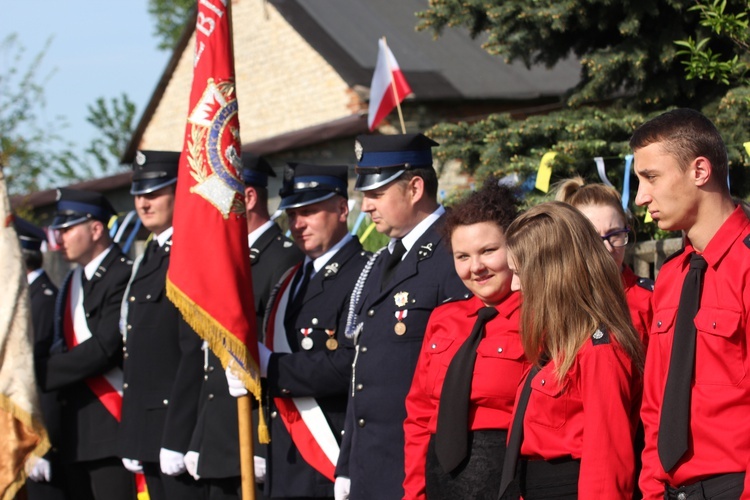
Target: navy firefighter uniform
(390,325)
(216,436)
(310,368)
(162,365)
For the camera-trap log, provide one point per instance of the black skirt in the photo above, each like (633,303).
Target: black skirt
(550,479)
(477,477)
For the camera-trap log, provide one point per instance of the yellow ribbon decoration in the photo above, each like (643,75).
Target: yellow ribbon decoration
(747,147)
(544,173)
(367,232)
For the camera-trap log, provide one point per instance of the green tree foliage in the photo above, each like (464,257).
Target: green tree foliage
(170,17)
(702,61)
(629,73)
(114,120)
(29,146)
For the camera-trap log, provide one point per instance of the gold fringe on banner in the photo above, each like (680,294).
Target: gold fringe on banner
(224,345)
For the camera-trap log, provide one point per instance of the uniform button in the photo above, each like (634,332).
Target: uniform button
(433,346)
(148,296)
(210,369)
(681,495)
(360,387)
(124,349)
(361,422)
(165,402)
(125,356)
(131,299)
(315,321)
(205,377)
(543,382)
(658,323)
(499,349)
(714,324)
(125,385)
(285,391)
(130,327)
(371,313)
(210,397)
(274,414)
(363,349)
(88,315)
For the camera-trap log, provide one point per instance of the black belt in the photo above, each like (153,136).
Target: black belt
(708,488)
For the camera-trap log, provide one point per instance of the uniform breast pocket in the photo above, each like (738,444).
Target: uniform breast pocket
(147,297)
(438,352)
(548,404)
(657,339)
(719,347)
(499,368)
(413,311)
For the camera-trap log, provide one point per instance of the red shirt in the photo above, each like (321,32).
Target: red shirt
(499,366)
(590,417)
(720,399)
(639,303)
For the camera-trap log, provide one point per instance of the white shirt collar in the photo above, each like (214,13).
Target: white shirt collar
(33,275)
(411,238)
(256,233)
(90,268)
(323,259)
(164,236)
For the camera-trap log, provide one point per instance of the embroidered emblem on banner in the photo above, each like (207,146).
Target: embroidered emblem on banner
(213,159)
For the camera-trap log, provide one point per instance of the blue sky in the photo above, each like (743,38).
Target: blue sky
(99,49)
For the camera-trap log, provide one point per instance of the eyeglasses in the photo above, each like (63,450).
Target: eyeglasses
(618,238)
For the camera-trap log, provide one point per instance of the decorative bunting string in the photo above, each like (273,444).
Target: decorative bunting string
(601,170)
(544,173)
(626,182)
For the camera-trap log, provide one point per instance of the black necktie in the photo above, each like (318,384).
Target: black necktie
(299,294)
(393,260)
(513,451)
(451,438)
(674,424)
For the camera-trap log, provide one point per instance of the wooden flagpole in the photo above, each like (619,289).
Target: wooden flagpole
(244,413)
(395,93)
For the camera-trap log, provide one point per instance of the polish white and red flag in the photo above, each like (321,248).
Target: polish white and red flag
(388,87)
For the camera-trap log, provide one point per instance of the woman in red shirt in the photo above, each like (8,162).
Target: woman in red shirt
(602,206)
(462,394)
(574,418)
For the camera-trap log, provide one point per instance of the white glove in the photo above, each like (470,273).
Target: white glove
(264,354)
(260,469)
(236,387)
(132,465)
(341,488)
(41,472)
(191,463)
(172,463)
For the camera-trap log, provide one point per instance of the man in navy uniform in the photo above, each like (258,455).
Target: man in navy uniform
(162,353)
(215,455)
(85,360)
(45,479)
(310,367)
(392,303)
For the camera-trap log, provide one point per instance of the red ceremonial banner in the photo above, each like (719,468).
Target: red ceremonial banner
(209,271)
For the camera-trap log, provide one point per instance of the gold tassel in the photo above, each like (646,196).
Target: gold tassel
(264,437)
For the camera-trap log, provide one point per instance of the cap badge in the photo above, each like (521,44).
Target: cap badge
(358,150)
(140,158)
(401,299)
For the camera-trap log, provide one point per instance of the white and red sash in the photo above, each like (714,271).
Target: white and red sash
(302,417)
(108,386)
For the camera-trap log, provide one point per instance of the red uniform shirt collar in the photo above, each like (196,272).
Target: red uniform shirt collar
(505,308)
(722,241)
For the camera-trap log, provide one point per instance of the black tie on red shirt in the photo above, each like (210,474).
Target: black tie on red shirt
(451,437)
(674,425)
(513,451)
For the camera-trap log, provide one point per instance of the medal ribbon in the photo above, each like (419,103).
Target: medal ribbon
(400,315)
